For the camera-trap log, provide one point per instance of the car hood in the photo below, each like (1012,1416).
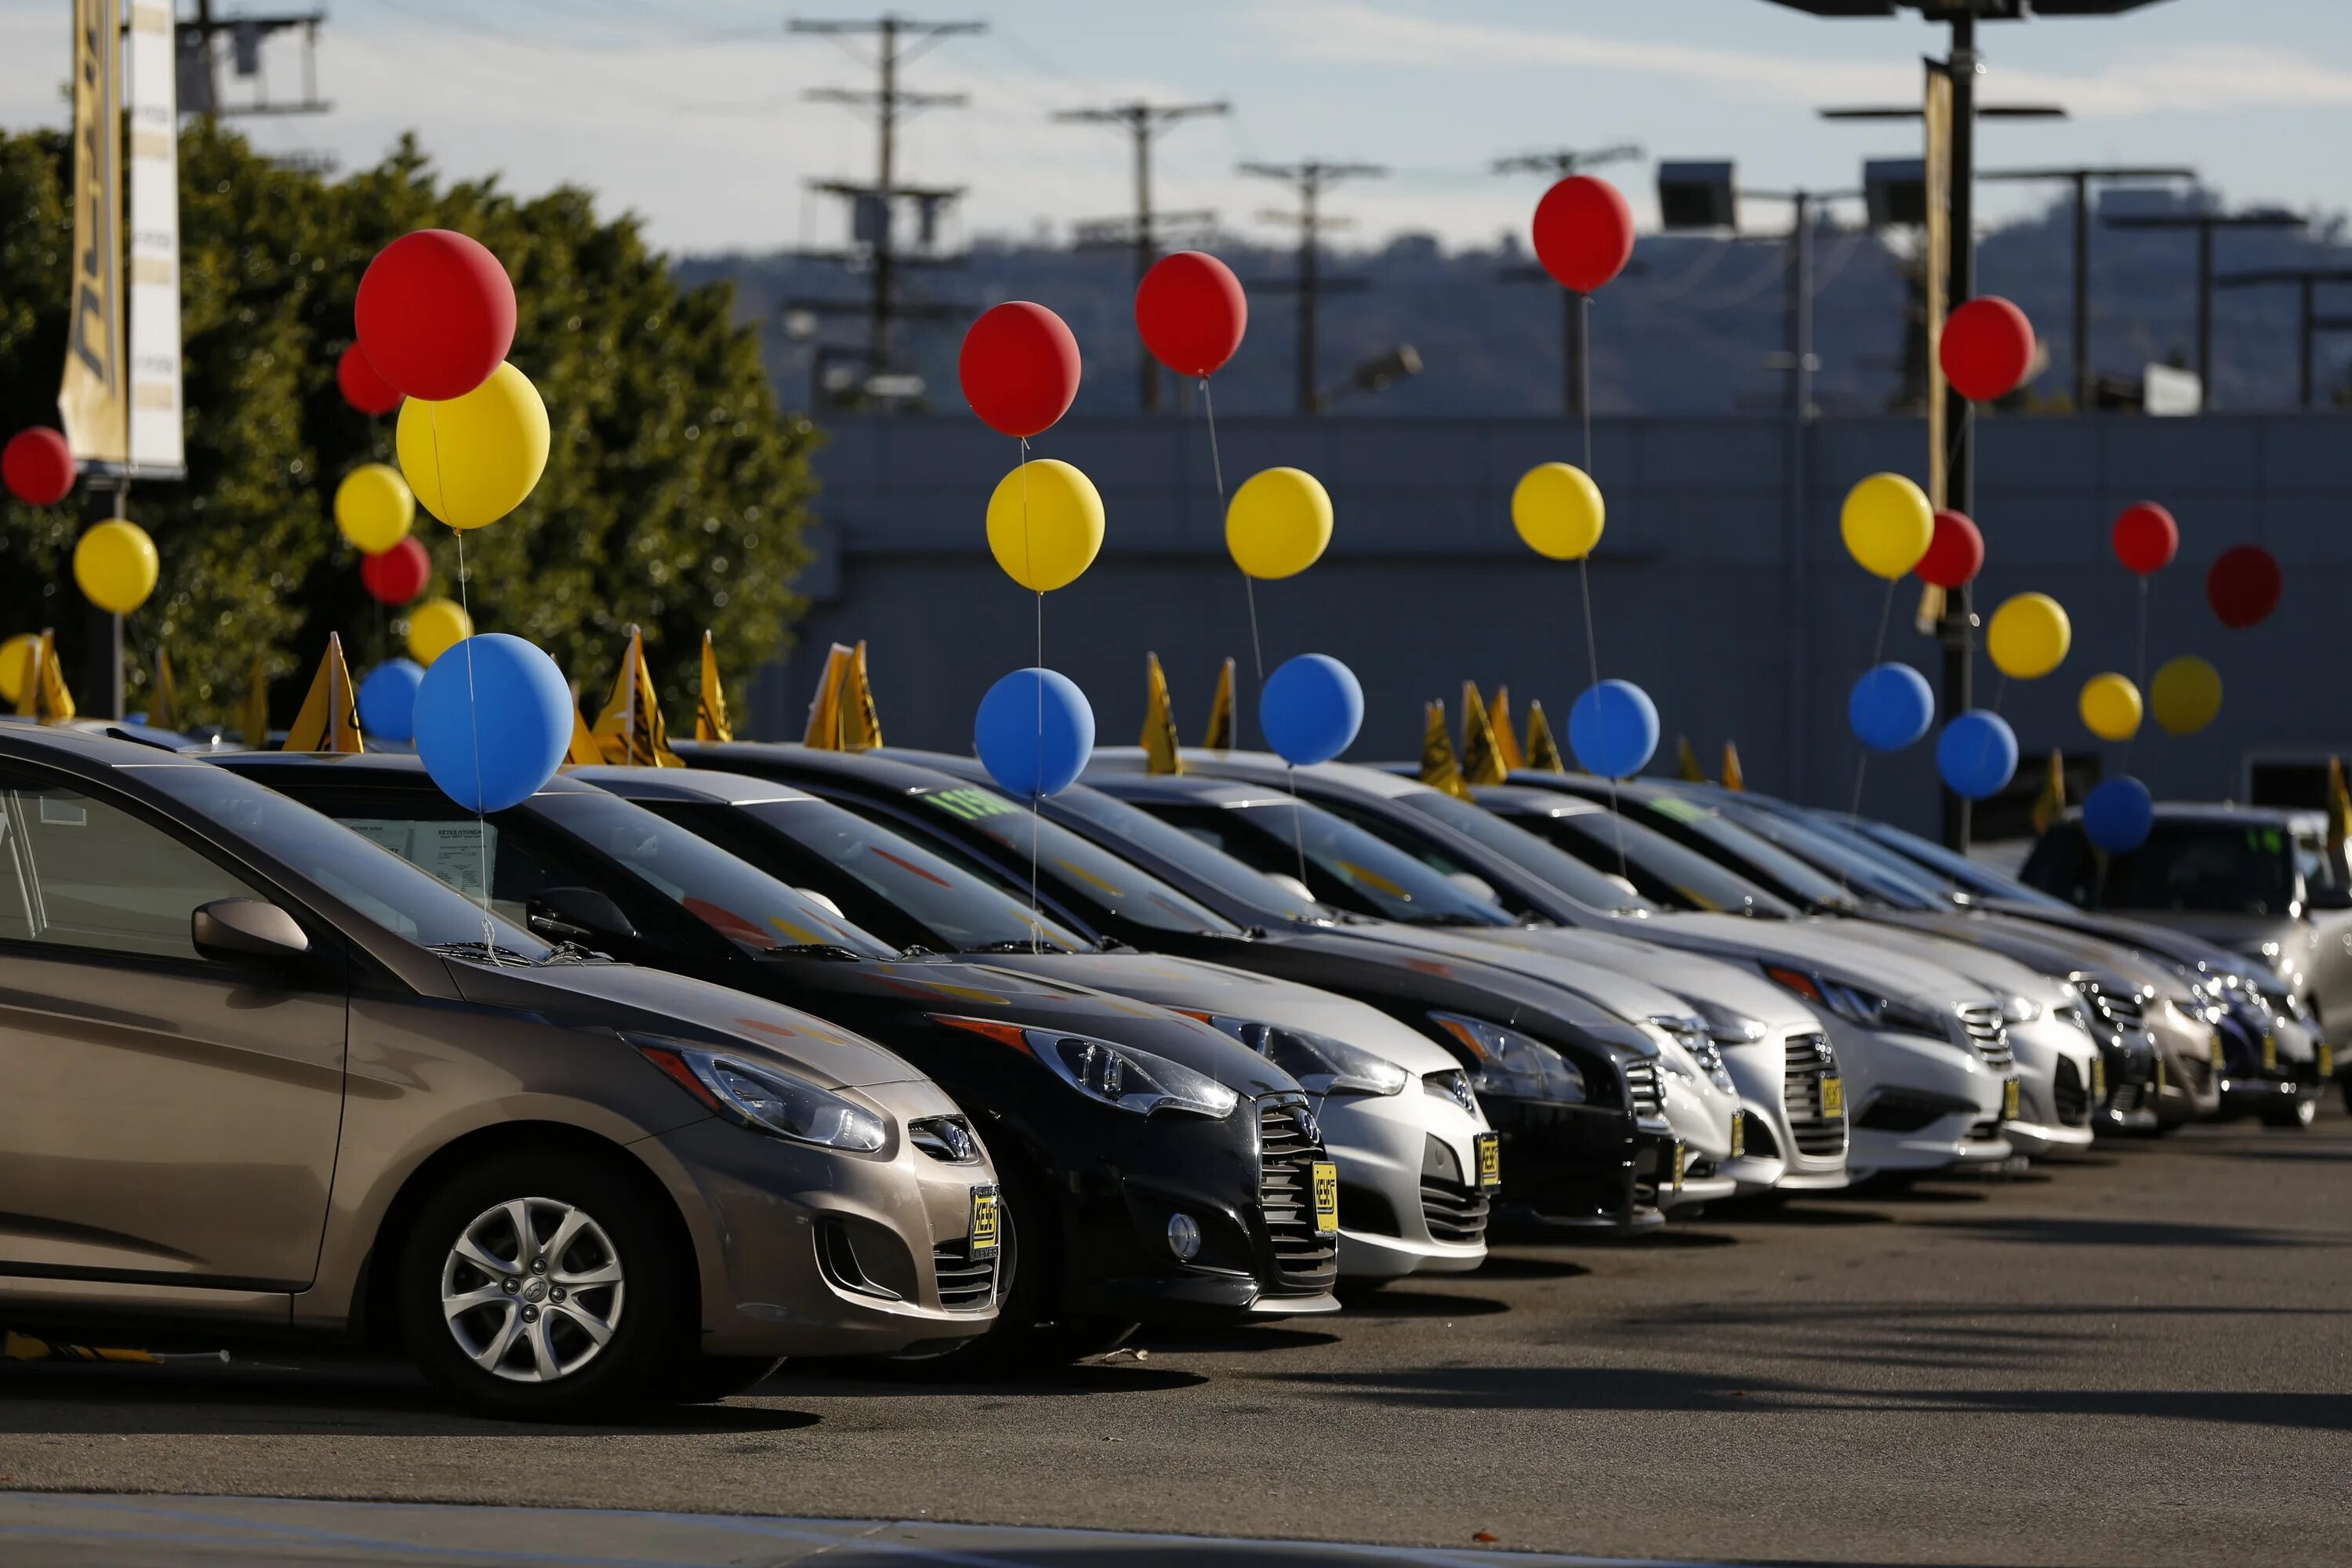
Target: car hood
(626,996)
(1815,945)
(1569,964)
(1186,983)
(1992,970)
(2047,949)
(1686,974)
(2240,934)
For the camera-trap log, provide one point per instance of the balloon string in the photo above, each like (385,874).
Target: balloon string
(1037,731)
(2139,669)
(473,710)
(1583,570)
(1249,583)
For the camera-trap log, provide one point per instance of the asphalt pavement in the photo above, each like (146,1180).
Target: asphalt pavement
(2142,1356)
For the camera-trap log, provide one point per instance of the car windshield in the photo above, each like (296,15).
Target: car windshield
(372,881)
(1666,872)
(1765,859)
(1250,895)
(1345,865)
(1858,867)
(955,910)
(1522,848)
(1088,875)
(734,898)
(1967,875)
(2186,866)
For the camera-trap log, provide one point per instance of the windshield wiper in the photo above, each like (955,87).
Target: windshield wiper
(917,950)
(1015,944)
(573,952)
(832,950)
(480,953)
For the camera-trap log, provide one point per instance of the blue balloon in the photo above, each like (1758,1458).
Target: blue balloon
(1977,754)
(1034,732)
(493,718)
(1311,708)
(1890,707)
(388,699)
(1613,729)
(2118,815)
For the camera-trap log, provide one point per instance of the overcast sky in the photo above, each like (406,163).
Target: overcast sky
(690,112)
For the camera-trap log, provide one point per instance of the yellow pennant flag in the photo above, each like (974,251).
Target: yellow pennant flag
(1498,720)
(2050,804)
(824,731)
(1543,751)
(1161,755)
(1482,759)
(861,726)
(45,695)
(255,712)
(1219,737)
(630,731)
(2339,813)
(710,721)
(1438,766)
(583,748)
(163,703)
(329,718)
(1686,761)
(1732,777)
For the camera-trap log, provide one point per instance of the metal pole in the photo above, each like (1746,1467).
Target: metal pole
(2204,318)
(1959,413)
(1795,483)
(2083,377)
(885,120)
(1307,399)
(2310,330)
(1145,249)
(1571,351)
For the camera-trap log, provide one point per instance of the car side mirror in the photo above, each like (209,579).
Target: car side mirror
(2328,896)
(234,929)
(576,914)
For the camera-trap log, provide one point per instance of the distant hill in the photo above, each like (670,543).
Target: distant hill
(1688,333)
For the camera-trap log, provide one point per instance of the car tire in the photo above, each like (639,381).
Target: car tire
(527,1348)
(706,1380)
(1033,1330)
(2295,1115)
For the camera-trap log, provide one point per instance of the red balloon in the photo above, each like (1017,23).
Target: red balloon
(2146,539)
(1584,233)
(362,387)
(39,465)
(1955,553)
(1988,349)
(435,314)
(2243,585)
(1191,312)
(1019,368)
(398,575)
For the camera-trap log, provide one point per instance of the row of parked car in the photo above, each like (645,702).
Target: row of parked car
(622,1093)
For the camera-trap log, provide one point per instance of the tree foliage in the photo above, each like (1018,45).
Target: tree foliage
(675,491)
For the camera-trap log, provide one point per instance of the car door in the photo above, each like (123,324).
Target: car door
(2319,867)
(166,1119)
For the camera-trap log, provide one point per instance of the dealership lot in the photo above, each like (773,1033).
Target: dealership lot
(2139,1356)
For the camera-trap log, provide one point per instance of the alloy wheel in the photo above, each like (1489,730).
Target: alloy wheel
(532,1289)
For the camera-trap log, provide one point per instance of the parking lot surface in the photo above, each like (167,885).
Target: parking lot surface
(2144,1356)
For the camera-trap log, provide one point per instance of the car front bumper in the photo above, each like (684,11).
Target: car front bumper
(1409,1202)
(1790,1145)
(2053,1070)
(1916,1103)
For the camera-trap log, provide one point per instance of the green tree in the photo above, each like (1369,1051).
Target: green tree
(674,492)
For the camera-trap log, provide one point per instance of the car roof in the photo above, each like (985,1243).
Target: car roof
(1194,787)
(1265,767)
(1537,800)
(684,785)
(2300,819)
(92,745)
(362,766)
(867,768)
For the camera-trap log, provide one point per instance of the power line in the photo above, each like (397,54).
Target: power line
(1311,179)
(199,62)
(1142,122)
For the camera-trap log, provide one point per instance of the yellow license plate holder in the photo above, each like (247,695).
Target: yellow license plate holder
(1490,1159)
(2012,1098)
(1327,1198)
(986,1232)
(1832,1095)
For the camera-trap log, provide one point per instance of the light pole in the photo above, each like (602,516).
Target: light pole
(2310,322)
(2205,223)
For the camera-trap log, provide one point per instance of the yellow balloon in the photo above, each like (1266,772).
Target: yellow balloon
(2028,636)
(1887,525)
(473,459)
(16,663)
(2185,695)
(373,507)
(1044,524)
(115,564)
(2111,707)
(435,626)
(1278,523)
(1558,511)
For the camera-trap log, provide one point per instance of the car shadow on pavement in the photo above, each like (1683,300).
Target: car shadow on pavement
(1395,1303)
(2064,1231)
(853,1379)
(1519,1266)
(1261,1338)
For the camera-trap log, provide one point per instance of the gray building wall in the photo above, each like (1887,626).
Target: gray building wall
(1735,606)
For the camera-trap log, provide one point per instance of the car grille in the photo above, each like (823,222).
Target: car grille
(964,1286)
(2073,1098)
(1303,1261)
(1453,1212)
(1808,1062)
(1989,1034)
(1982,1132)
(2122,1009)
(1643,1096)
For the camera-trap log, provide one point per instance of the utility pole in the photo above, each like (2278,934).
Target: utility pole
(2085,376)
(1142,122)
(1312,178)
(199,62)
(2308,280)
(1560,163)
(874,209)
(2205,223)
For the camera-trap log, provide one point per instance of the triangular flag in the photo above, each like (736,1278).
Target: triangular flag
(255,712)
(1219,737)
(861,726)
(1686,761)
(1543,751)
(1438,766)
(2339,812)
(2050,804)
(163,703)
(584,749)
(823,732)
(1732,777)
(630,731)
(1161,755)
(45,695)
(710,721)
(1498,719)
(1482,760)
(28,695)
(329,718)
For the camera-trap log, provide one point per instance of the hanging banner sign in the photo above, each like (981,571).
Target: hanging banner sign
(154,294)
(1937,264)
(91,402)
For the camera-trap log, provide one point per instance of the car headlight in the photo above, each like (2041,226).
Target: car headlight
(1452,1084)
(765,1099)
(1696,1040)
(1857,1005)
(2020,1010)
(1320,1064)
(1726,1027)
(1125,1076)
(1505,1062)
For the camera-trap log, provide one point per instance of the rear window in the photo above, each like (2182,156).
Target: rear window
(2186,868)
(1668,873)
